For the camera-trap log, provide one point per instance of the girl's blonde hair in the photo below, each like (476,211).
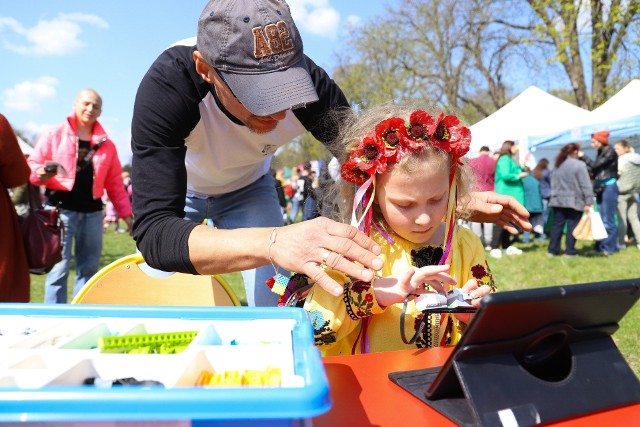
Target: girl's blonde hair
(354,125)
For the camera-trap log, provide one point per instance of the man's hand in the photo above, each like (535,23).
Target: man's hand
(487,206)
(310,246)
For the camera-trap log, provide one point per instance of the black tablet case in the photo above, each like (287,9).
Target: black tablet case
(534,356)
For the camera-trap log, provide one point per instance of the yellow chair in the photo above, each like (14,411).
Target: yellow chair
(130,281)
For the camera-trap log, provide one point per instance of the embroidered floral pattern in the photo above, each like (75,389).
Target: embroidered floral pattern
(358,299)
(483,275)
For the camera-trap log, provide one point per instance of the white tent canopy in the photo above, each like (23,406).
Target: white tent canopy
(620,115)
(625,103)
(532,112)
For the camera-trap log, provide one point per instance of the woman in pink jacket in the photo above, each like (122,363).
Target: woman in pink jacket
(77,163)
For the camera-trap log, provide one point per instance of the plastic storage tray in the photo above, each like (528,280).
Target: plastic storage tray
(47,353)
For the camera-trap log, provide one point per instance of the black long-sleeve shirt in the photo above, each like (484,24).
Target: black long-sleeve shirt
(183,140)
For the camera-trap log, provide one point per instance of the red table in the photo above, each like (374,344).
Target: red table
(363,395)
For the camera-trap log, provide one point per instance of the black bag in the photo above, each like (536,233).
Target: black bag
(598,189)
(42,233)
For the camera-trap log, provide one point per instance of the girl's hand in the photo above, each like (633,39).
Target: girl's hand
(393,290)
(476,292)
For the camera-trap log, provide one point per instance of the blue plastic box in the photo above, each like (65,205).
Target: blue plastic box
(47,351)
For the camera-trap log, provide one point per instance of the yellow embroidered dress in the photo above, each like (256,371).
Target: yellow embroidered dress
(338,322)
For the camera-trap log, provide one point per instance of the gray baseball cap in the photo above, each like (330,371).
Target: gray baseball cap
(256,48)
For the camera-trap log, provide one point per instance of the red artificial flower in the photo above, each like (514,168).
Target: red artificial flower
(450,136)
(461,147)
(420,126)
(351,172)
(370,155)
(393,133)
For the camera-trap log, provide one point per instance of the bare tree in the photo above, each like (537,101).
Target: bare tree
(471,55)
(591,31)
(448,53)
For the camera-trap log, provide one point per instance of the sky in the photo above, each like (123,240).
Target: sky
(51,50)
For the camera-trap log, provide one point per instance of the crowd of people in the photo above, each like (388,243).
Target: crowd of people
(354,238)
(557,195)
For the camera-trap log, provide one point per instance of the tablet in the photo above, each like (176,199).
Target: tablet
(537,325)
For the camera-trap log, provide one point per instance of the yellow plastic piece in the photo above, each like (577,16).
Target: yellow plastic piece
(271,377)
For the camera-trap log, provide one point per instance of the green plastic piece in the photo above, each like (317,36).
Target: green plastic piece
(163,343)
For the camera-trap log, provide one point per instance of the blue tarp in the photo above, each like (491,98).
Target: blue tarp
(618,128)
(548,146)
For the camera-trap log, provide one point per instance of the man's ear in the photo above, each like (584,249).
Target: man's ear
(202,67)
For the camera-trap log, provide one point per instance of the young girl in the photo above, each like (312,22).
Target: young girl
(401,178)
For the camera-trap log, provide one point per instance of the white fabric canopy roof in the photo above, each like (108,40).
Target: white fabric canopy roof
(620,115)
(532,112)
(625,103)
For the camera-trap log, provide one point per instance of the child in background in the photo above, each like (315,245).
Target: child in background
(402,174)
(111,216)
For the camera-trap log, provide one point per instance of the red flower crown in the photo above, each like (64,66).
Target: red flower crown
(393,139)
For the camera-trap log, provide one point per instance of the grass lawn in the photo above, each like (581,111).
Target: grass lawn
(532,269)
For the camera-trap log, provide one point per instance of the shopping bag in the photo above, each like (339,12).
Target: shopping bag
(583,229)
(598,232)
(42,233)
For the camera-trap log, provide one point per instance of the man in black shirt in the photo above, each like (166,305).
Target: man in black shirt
(207,120)
(604,171)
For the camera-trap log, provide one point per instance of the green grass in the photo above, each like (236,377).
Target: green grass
(533,269)
(115,246)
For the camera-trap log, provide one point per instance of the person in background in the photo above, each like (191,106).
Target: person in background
(279,184)
(571,195)
(111,216)
(207,120)
(326,181)
(302,188)
(128,185)
(296,197)
(508,181)
(15,281)
(310,206)
(543,175)
(604,170)
(77,162)
(533,203)
(629,188)
(484,167)
(282,182)
(288,191)
(402,160)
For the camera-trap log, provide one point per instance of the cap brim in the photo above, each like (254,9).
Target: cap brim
(269,93)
